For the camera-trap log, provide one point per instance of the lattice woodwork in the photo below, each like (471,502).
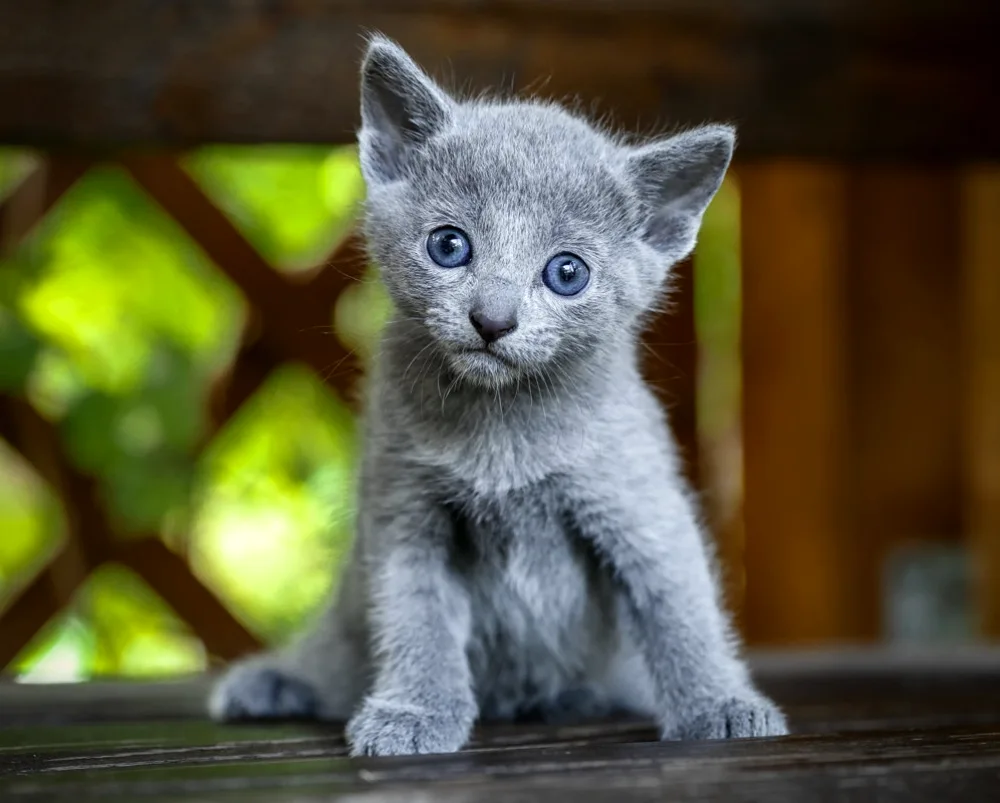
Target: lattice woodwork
(292,318)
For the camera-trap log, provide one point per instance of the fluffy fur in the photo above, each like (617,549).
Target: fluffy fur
(525,546)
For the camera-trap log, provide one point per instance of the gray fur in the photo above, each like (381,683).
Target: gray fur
(525,545)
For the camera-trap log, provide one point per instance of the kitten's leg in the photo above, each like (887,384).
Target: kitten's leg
(645,528)
(266,686)
(322,676)
(421,699)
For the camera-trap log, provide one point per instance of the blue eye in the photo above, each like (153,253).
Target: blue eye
(566,274)
(449,247)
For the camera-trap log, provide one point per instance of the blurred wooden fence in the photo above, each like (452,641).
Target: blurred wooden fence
(871,258)
(284,312)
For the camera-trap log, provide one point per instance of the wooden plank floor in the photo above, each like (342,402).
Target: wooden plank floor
(869,726)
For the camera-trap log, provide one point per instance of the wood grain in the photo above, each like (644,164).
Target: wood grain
(903,282)
(296,317)
(798,582)
(847,79)
(981,314)
(869,726)
(91,541)
(31,200)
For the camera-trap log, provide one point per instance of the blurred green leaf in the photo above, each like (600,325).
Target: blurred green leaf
(29,521)
(86,431)
(56,383)
(292,202)
(108,275)
(717,312)
(143,491)
(116,626)
(114,324)
(15,164)
(175,393)
(360,313)
(19,348)
(62,652)
(275,510)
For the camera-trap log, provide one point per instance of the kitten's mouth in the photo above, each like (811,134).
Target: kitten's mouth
(484,363)
(488,352)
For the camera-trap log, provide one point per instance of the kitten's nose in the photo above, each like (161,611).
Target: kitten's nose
(490,329)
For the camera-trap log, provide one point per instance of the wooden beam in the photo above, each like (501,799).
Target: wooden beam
(31,608)
(167,573)
(181,197)
(37,441)
(981,314)
(293,312)
(53,587)
(31,200)
(846,79)
(798,585)
(345,265)
(254,363)
(295,319)
(905,384)
(91,541)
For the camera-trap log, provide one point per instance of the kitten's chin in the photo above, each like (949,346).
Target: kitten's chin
(483,368)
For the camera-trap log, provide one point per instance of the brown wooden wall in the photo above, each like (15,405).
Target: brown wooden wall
(869,386)
(871,259)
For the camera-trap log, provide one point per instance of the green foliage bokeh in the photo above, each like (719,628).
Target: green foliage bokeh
(113,324)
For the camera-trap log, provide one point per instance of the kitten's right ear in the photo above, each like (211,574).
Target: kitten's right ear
(401,108)
(676,179)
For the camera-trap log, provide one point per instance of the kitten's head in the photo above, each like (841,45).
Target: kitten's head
(517,234)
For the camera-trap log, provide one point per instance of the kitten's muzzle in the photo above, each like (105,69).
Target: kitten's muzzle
(492,329)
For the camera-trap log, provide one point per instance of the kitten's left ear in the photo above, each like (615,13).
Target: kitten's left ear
(401,108)
(676,178)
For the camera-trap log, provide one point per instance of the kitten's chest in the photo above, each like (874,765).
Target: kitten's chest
(528,572)
(540,603)
(494,458)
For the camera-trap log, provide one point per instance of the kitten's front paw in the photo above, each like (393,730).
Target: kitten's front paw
(254,691)
(734,718)
(381,728)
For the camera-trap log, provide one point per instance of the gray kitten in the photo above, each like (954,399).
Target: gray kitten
(525,546)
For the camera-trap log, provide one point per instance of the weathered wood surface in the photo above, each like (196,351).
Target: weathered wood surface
(828,78)
(868,726)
